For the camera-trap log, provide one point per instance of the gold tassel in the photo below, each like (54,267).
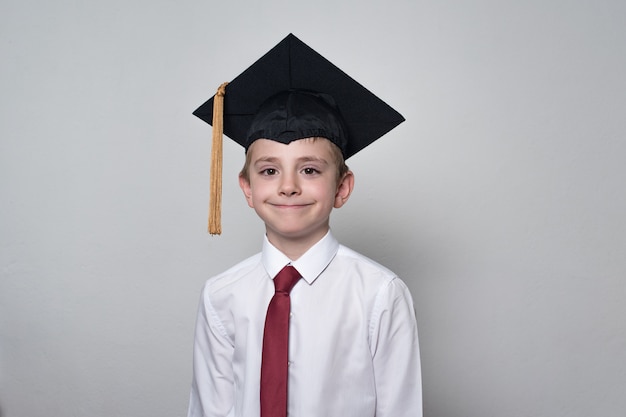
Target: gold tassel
(215,196)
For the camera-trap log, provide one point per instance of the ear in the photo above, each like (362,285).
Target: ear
(247,189)
(344,189)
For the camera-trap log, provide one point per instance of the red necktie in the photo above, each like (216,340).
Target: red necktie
(276,346)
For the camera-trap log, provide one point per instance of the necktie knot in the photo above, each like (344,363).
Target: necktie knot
(286,279)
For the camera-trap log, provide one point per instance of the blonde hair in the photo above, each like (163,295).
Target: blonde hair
(342,168)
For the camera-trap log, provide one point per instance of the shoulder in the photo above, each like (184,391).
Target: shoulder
(371,273)
(234,275)
(364,264)
(388,296)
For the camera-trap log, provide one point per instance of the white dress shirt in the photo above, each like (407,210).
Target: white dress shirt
(353,347)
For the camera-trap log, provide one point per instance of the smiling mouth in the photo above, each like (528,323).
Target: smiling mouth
(290,206)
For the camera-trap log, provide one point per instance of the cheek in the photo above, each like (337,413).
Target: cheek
(327,192)
(257,193)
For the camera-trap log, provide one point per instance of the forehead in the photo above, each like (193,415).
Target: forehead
(308,147)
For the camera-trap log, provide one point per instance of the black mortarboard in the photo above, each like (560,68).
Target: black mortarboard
(292,93)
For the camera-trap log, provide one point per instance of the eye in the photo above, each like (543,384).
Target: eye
(268,171)
(310,171)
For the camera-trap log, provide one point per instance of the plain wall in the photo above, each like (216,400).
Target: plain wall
(500,201)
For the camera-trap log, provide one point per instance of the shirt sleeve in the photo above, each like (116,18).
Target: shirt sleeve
(395,350)
(212,389)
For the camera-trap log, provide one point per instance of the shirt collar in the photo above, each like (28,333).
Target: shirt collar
(310,265)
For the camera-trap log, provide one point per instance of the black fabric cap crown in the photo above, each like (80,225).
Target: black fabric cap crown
(291,93)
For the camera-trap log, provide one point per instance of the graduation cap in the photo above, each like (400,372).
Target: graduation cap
(292,93)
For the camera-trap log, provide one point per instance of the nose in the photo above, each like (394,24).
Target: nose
(289,185)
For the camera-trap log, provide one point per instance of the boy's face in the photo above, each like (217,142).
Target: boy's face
(293,188)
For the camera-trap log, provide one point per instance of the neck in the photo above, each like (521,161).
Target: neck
(295,247)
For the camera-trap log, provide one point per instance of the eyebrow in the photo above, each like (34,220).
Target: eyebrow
(274,160)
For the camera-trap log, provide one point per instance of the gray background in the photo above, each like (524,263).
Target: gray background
(500,201)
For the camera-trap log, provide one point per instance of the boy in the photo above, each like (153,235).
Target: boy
(308,327)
